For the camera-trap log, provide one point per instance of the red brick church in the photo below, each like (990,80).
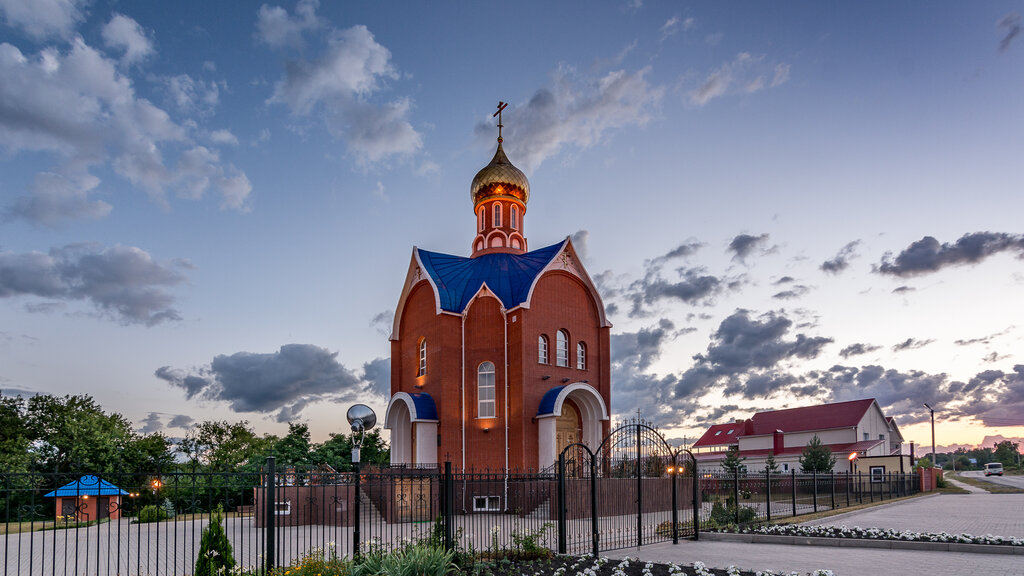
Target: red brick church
(499,359)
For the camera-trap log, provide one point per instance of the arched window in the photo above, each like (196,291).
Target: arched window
(562,348)
(485,391)
(581,356)
(423,357)
(480,218)
(513,217)
(542,350)
(497,214)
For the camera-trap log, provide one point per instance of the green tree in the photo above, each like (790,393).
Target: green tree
(336,451)
(817,457)
(732,463)
(222,446)
(770,465)
(215,556)
(1006,452)
(294,449)
(14,439)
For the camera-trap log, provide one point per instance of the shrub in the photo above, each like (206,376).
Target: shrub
(723,515)
(318,563)
(152,513)
(531,544)
(417,559)
(215,553)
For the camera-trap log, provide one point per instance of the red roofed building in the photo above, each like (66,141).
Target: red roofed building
(845,427)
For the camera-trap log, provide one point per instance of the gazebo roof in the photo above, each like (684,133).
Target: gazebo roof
(87,486)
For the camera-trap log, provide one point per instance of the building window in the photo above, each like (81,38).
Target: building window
(423,357)
(513,217)
(542,350)
(283,508)
(785,467)
(480,218)
(581,356)
(497,214)
(877,474)
(485,391)
(487,504)
(867,436)
(562,348)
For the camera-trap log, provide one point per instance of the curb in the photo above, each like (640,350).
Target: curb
(863,543)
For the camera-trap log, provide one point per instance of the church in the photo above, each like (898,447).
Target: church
(499,359)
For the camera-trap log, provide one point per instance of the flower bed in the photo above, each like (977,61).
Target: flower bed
(590,566)
(876,534)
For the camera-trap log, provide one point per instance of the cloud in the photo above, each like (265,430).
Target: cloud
(911,344)
(903,289)
(180,421)
(282,382)
(694,287)
(858,349)
(277,29)
(928,255)
(984,339)
(77,106)
(43,19)
(896,392)
(744,244)
(746,354)
(842,259)
(382,322)
(688,248)
(576,111)
(190,95)
(1011,24)
(796,291)
(353,69)
(223,137)
(125,34)
(637,350)
(745,74)
(120,282)
(579,241)
(676,24)
(151,423)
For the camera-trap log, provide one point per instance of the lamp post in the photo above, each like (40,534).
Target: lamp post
(361,418)
(932,411)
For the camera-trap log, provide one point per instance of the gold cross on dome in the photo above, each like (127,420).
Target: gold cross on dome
(501,106)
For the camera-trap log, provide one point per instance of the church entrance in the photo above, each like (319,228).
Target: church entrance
(568,427)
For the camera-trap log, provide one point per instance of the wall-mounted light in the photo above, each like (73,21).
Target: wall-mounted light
(545,377)
(564,380)
(585,381)
(486,430)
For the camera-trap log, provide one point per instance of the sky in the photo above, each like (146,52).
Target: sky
(207,210)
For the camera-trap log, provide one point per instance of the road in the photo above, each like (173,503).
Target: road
(1012,481)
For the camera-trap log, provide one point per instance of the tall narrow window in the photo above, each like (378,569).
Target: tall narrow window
(423,357)
(581,356)
(562,348)
(480,218)
(513,217)
(542,350)
(485,391)
(497,214)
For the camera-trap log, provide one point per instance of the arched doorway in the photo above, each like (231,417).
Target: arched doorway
(567,427)
(412,419)
(574,411)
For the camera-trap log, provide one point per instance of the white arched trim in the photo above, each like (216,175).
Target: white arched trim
(410,406)
(581,273)
(592,409)
(585,394)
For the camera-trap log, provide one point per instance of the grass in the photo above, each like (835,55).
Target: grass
(986,485)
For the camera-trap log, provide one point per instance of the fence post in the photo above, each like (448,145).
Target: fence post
(593,505)
(270,512)
(355,514)
(639,487)
(561,504)
(814,479)
(736,492)
(848,489)
(833,478)
(448,494)
(792,477)
(860,487)
(696,499)
(768,490)
(675,508)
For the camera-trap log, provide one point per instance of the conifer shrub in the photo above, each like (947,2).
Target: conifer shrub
(215,554)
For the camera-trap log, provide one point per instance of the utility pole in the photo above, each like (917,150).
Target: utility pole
(932,410)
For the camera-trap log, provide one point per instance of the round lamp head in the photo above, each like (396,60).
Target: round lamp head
(361,417)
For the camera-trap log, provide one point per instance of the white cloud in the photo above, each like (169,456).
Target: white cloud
(125,33)
(191,95)
(57,197)
(676,24)
(578,112)
(746,74)
(223,137)
(43,18)
(277,29)
(341,84)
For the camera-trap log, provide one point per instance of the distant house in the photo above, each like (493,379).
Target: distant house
(88,498)
(858,426)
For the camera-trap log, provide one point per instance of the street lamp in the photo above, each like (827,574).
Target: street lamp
(932,411)
(852,458)
(361,418)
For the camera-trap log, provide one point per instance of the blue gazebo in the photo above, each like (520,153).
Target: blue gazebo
(88,498)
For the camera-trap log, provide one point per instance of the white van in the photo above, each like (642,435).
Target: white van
(993,469)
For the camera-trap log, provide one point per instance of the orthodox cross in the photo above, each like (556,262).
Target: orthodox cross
(501,106)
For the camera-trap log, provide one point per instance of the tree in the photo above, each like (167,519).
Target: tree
(337,451)
(770,465)
(1006,452)
(223,446)
(817,457)
(294,448)
(732,463)
(215,554)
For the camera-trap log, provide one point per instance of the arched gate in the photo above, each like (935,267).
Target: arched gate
(634,489)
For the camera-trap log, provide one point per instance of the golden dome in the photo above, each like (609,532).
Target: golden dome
(499,178)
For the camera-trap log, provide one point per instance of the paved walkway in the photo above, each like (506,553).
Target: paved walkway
(998,514)
(969,487)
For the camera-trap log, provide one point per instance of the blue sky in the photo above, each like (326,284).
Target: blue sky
(207,210)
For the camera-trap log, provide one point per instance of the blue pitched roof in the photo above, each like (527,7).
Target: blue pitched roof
(509,276)
(425,407)
(87,486)
(547,403)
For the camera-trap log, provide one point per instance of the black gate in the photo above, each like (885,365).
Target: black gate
(635,489)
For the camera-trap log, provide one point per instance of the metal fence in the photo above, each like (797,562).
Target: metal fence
(743,498)
(151,523)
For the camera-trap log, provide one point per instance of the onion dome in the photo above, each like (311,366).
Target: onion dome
(499,178)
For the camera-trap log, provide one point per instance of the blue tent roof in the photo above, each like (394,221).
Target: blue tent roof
(509,276)
(547,403)
(87,486)
(425,407)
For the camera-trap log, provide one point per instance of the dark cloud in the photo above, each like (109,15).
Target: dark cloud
(694,287)
(180,421)
(858,349)
(746,353)
(784,280)
(903,290)
(638,350)
(911,344)
(382,322)
(796,291)
(994,357)
(984,339)
(898,393)
(744,244)
(121,282)
(928,255)
(632,354)
(283,382)
(842,259)
(685,249)
(1010,23)
(151,423)
(377,374)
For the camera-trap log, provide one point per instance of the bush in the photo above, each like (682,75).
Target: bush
(530,545)
(215,553)
(318,563)
(723,515)
(417,559)
(151,513)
